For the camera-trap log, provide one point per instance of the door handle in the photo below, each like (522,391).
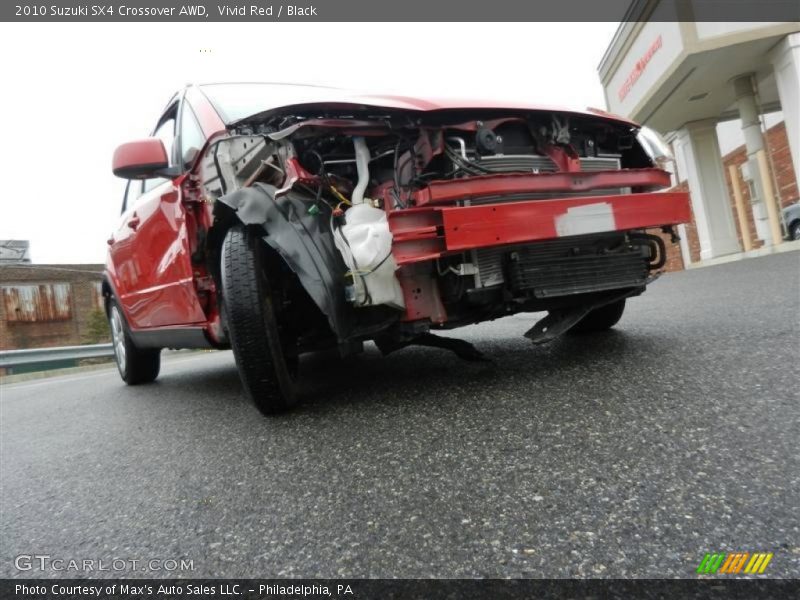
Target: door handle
(133,222)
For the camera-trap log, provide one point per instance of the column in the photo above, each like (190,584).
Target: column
(754,142)
(710,203)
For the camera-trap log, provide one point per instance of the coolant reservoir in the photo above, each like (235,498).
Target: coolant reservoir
(367,232)
(368,254)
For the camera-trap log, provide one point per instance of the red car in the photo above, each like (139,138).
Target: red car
(281,219)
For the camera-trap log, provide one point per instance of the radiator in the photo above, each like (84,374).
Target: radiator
(542,164)
(533,163)
(573,265)
(491,261)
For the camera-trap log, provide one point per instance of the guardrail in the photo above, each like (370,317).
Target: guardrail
(32,356)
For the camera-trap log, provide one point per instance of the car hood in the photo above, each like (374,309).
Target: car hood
(283,97)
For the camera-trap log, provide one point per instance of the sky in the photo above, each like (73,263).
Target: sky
(72,92)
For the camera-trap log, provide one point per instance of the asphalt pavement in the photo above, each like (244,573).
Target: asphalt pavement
(625,454)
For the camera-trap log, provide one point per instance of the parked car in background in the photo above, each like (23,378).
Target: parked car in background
(791,216)
(279,220)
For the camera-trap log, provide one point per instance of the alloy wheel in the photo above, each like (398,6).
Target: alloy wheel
(118,337)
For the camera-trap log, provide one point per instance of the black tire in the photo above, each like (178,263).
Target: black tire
(136,365)
(600,319)
(794,231)
(267,374)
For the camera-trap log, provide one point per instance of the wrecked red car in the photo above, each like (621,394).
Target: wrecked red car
(278,220)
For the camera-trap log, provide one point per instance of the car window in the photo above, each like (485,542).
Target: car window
(192,138)
(132,192)
(166,133)
(234,101)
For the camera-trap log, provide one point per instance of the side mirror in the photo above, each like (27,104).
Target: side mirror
(142,159)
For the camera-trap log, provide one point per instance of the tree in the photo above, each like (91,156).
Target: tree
(97,330)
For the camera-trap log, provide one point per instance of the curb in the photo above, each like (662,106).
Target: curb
(728,258)
(110,365)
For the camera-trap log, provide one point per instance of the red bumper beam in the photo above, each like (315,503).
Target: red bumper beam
(422,234)
(443,192)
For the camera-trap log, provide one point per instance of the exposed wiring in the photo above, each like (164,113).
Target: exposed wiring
(398,187)
(340,196)
(363,272)
(325,182)
(465,164)
(354,271)
(318,198)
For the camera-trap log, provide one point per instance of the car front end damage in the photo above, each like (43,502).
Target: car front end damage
(393,223)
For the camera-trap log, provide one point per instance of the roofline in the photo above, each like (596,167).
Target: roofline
(617,40)
(638,12)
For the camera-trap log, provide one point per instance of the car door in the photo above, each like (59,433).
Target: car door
(150,249)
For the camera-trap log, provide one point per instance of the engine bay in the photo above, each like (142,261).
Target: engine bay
(374,186)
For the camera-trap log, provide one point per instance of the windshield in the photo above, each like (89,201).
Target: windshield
(235,101)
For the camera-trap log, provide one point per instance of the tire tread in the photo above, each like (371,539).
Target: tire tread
(252,337)
(600,319)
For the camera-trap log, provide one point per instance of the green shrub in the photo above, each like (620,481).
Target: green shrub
(97,330)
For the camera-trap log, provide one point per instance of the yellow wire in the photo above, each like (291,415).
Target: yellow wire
(339,195)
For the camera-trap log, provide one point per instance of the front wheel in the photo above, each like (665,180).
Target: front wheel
(136,365)
(600,319)
(261,348)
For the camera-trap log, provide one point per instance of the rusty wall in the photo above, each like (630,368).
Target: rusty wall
(37,303)
(46,305)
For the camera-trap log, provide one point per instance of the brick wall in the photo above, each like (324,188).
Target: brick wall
(778,147)
(674,257)
(82,279)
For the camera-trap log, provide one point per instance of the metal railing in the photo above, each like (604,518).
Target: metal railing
(32,356)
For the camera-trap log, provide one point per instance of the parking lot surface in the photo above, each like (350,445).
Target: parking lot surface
(625,454)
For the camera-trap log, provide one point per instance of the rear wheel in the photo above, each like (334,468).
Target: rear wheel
(136,365)
(794,231)
(600,319)
(265,353)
